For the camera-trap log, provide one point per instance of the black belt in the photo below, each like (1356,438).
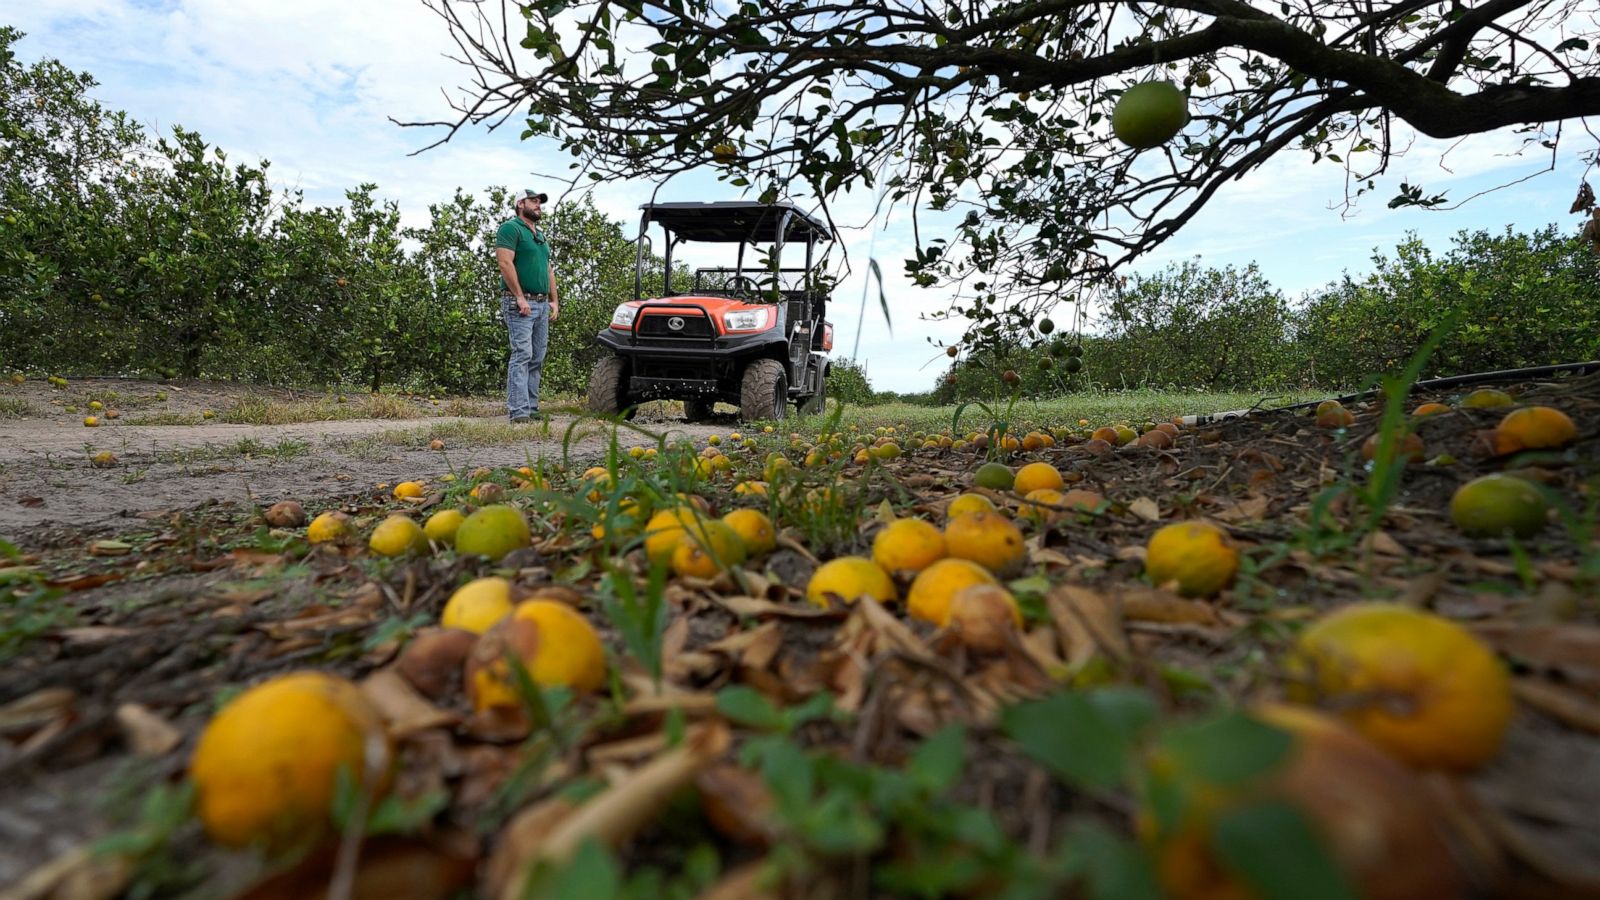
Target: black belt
(542,298)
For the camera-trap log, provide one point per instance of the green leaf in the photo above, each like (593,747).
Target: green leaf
(938,762)
(592,872)
(1275,850)
(883,299)
(1115,868)
(1083,742)
(1228,750)
(747,706)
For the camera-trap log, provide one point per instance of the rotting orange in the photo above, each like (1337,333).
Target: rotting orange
(266,765)
(493,531)
(1534,428)
(477,605)
(398,535)
(934,588)
(1042,505)
(907,546)
(1106,433)
(1198,556)
(706,548)
(1415,683)
(1487,398)
(332,527)
(1334,416)
(754,529)
(554,643)
(1034,476)
(1125,434)
(1497,504)
(847,578)
(1083,499)
(984,616)
(988,539)
(1430,409)
(994,476)
(1408,446)
(1372,816)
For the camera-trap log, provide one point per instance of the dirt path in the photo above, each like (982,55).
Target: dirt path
(47,478)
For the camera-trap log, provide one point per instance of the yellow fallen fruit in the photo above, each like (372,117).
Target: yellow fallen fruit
(555,644)
(442,526)
(398,535)
(493,531)
(754,529)
(848,578)
(1037,476)
(477,605)
(1197,555)
(663,531)
(968,503)
(409,490)
(266,766)
(330,527)
(1487,398)
(908,546)
(934,589)
(1534,428)
(706,548)
(988,539)
(1417,684)
(1498,504)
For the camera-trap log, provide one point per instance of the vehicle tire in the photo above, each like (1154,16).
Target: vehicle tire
(698,410)
(763,391)
(608,392)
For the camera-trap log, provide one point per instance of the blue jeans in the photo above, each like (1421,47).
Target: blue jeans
(529,334)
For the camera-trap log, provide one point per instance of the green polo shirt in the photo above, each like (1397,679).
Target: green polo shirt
(531,256)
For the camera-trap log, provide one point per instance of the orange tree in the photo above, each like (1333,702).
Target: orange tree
(996,112)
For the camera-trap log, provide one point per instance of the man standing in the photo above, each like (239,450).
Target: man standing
(528,301)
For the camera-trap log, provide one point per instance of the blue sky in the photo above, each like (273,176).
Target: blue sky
(311,85)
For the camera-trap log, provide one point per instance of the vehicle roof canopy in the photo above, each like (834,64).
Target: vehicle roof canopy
(729,221)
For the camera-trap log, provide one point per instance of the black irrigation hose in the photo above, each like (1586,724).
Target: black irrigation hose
(1581,368)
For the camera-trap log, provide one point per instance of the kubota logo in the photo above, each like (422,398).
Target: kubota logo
(675,323)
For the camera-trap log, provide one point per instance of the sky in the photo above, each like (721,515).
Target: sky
(312,86)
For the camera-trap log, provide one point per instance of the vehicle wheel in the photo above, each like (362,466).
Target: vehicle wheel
(698,410)
(763,391)
(608,393)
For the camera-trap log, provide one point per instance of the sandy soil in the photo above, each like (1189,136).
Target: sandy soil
(47,480)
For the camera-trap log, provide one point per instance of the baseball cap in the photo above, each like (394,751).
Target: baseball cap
(525,193)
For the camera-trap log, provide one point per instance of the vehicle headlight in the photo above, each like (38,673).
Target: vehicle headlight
(624,316)
(745,320)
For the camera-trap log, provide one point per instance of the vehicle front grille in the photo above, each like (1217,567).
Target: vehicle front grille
(658,325)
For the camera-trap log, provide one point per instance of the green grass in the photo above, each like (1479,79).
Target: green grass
(16,408)
(245,448)
(454,434)
(166,417)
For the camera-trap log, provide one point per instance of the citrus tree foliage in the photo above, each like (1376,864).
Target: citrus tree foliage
(997,110)
(126,254)
(1516,300)
(1195,326)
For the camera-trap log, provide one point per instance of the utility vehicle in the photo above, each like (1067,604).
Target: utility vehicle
(753,335)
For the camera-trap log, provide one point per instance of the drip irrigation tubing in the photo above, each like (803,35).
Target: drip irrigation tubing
(1579,368)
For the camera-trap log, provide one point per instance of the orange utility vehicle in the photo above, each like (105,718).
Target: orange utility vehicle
(751,335)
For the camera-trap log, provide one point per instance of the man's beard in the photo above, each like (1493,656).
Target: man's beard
(532,215)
